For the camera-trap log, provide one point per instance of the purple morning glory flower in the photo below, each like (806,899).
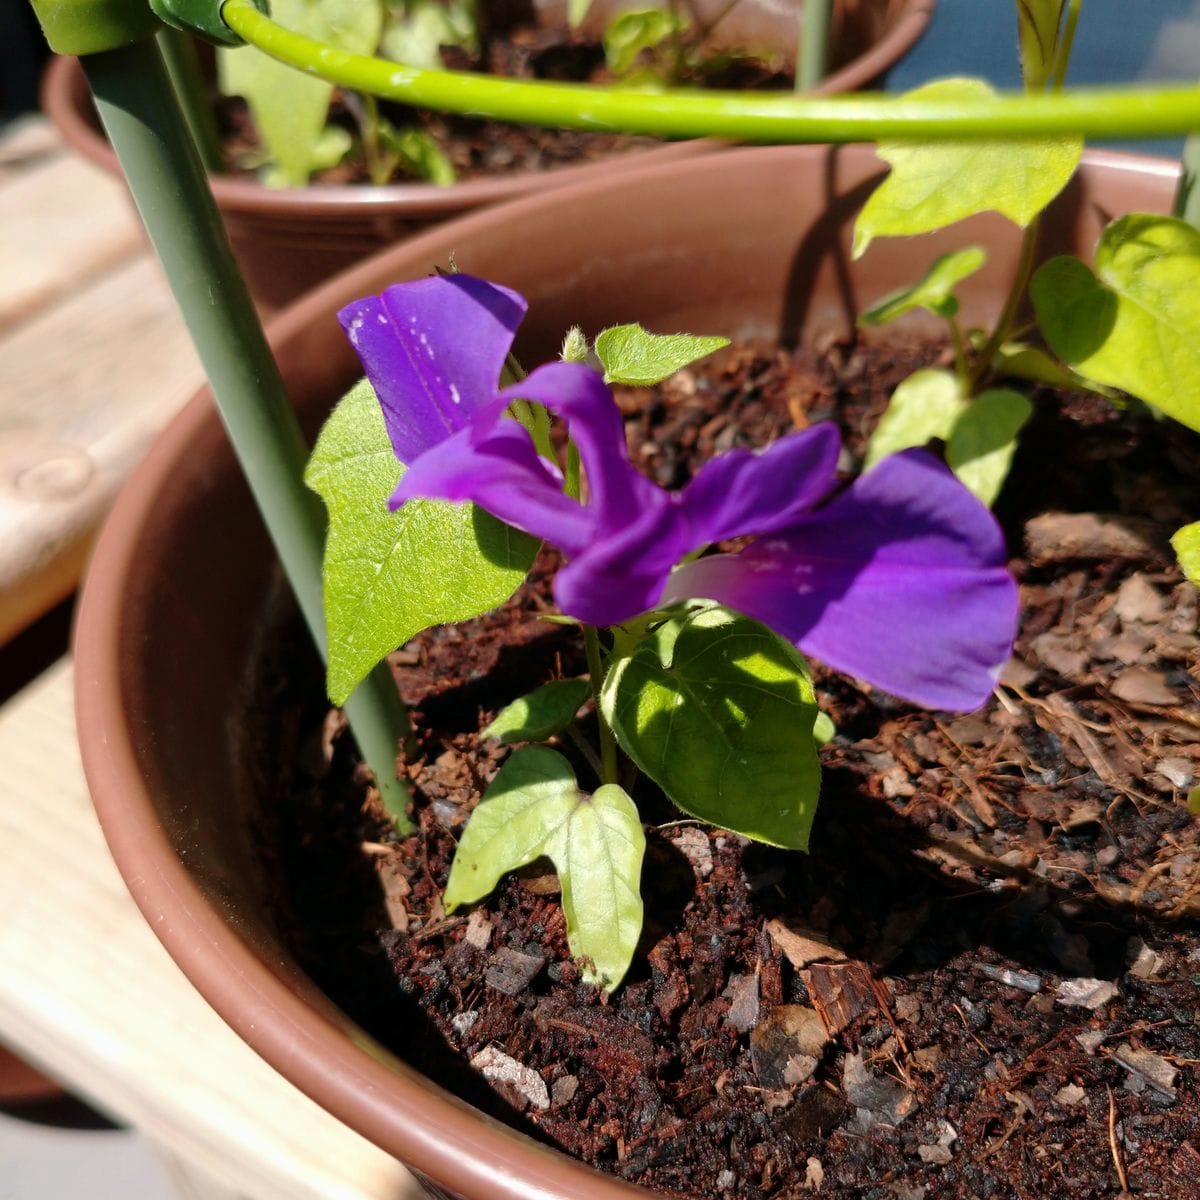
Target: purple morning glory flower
(898,579)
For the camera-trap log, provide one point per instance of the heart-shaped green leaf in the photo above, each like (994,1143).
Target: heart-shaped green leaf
(934,184)
(389,575)
(980,434)
(1135,323)
(719,712)
(290,108)
(596,843)
(544,712)
(934,292)
(923,407)
(632,356)
(983,441)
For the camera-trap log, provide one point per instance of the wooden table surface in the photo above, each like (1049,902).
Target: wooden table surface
(93,362)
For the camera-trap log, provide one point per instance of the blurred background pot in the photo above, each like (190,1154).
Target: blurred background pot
(289,240)
(746,243)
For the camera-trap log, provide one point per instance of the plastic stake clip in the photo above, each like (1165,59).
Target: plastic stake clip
(202,18)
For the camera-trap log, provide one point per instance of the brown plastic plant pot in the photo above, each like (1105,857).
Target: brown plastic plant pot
(746,243)
(289,240)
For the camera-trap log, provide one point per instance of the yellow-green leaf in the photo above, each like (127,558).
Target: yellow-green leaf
(290,108)
(1186,543)
(924,406)
(935,291)
(983,441)
(934,184)
(596,843)
(389,575)
(1135,323)
(719,712)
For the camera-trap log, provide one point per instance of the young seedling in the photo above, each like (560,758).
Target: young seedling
(694,650)
(1132,323)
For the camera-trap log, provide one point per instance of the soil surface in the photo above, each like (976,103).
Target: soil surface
(982,981)
(514,47)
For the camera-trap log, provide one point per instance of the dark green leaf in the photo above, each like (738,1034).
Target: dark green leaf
(719,712)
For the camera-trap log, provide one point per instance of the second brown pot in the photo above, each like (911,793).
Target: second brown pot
(289,240)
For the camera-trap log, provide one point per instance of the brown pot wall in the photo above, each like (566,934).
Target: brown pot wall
(747,242)
(288,241)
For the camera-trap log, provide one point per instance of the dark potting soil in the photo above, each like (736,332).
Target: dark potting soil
(982,981)
(515,47)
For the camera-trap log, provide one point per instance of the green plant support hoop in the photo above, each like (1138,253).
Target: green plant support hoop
(738,116)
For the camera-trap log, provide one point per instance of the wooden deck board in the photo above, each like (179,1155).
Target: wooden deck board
(62,222)
(88,994)
(84,387)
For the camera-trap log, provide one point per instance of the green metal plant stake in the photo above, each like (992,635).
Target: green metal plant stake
(142,117)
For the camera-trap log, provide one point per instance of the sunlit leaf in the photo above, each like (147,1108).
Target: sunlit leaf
(534,808)
(632,356)
(388,576)
(1135,323)
(290,108)
(416,30)
(924,406)
(1017,360)
(934,184)
(719,712)
(1186,543)
(934,292)
(544,712)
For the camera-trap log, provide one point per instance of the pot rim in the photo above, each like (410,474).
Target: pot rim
(64,100)
(386,1101)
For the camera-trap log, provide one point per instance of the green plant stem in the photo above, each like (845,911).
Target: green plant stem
(179,55)
(137,105)
(608,746)
(961,366)
(1187,196)
(1066,42)
(1004,326)
(378,168)
(812,54)
(741,116)
(581,743)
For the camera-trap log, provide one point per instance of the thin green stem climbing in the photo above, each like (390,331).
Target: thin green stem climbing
(608,746)
(1004,326)
(1187,195)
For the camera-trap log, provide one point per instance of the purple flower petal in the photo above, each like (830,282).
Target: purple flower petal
(899,581)
(618,493)
(636,532)
(494,464)
(622,574)
(743,492)
(433,350)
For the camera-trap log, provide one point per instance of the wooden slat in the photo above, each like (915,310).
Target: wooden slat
(62,222)
(84,387)
(88,994)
